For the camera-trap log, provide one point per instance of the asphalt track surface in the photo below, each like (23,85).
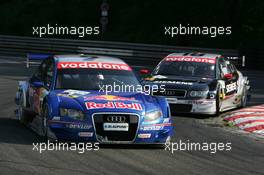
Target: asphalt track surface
(17,156)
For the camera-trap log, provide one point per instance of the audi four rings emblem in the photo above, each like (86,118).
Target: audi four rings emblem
(119,119)
(169,92)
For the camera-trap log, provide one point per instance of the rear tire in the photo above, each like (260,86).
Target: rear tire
(244,99)
(44,121)
(24,116)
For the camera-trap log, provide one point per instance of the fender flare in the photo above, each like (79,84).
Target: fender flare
(164,105)
(53,103)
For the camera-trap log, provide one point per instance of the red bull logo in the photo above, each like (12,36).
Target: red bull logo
(112,105)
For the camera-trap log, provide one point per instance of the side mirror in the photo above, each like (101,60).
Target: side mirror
(228,76)
(144,71)
(37,84)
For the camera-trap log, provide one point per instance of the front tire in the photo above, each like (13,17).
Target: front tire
(217,112)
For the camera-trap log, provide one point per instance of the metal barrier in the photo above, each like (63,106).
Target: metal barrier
(133,53)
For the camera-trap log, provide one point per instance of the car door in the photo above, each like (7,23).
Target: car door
(40,84)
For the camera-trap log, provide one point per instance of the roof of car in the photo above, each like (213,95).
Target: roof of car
(196,55)
(87,58)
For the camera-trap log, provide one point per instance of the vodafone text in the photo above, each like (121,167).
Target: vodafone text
(190,59)
(93,65)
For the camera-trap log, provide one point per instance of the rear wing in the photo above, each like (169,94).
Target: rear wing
(237,61)
(36,57)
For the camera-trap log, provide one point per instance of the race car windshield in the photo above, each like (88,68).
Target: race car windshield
(184,68)
(93,79)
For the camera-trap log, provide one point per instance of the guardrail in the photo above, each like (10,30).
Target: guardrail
(133,53)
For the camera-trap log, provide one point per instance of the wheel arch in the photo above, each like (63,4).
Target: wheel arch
(164,106)
(53,104)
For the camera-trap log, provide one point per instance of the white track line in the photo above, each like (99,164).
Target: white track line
(242,120)
(251,125)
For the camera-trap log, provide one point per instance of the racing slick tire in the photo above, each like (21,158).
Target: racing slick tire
(44,124)
(23,115)
(217,111)
(244,99)
(44,121)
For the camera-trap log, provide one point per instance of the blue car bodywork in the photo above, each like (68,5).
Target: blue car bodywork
(90,115)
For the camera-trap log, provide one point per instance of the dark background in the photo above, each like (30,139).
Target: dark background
(144,21)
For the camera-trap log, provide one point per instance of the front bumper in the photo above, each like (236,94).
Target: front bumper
(86,132)
(201,106)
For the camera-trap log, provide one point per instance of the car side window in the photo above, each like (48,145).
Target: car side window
(232,68)
(39,74)
(224,67)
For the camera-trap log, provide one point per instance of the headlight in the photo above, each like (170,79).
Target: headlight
(198,93)
(212,95)
(151,116)
(72,113)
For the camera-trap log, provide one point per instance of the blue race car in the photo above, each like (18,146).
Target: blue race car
(65,99)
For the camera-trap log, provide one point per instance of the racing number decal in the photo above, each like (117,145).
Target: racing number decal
(231,87)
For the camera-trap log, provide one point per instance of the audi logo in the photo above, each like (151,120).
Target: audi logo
(116,119)
(169,92)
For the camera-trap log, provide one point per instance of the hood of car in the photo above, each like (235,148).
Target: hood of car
(180,82)
(94,101)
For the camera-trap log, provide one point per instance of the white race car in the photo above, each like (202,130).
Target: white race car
(199,83)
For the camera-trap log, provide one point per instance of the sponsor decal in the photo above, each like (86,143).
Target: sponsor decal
(117,105)
(56,118)
(166,120)
(174,82)
(78,126)
(85,134)
(190,59)
(201,101)
(73,93)
(93,65)
(156,127)
(116,126)
(238,99)
(109,98)
(152,78)
(144,136)
(152,128)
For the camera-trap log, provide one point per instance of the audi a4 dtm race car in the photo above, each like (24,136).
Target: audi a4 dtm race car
(63,100)
(199,83)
